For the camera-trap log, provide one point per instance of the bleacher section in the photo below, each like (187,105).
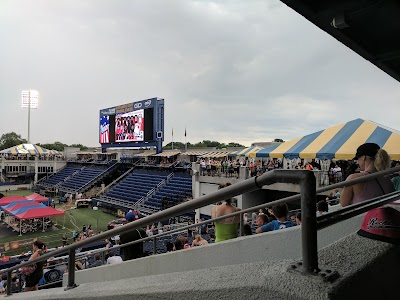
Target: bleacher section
(176,189)
(77,177)
(148,190)
(81,178)
(60,176)
(136,186)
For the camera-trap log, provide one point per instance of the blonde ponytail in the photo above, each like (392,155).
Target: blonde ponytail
(382,160)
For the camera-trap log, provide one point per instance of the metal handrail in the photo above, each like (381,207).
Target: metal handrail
(115,181)
(307,196)
(100,176)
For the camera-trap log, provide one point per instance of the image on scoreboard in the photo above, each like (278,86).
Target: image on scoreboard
(105,129)
(129,126)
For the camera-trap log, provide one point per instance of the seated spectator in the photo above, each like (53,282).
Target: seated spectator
(322,208)
(337,194)
(108,244)
(97,261)
(169,246)
(298,218)
(61,266)
(203,228)
(3,283)
(113,259)
(247,229)
(212,237)
(280,212)
(180,243)
(262,220)
(199,241)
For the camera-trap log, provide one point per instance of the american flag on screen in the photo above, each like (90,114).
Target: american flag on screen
(104,129)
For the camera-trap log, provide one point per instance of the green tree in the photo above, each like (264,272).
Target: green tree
(55,146)
(233,144)
(11,139)
(80,146)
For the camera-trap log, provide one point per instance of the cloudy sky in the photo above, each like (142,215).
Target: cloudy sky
(229,70)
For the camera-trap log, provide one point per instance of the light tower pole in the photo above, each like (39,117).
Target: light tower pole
(30,100)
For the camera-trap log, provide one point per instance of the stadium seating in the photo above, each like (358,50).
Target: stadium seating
(77,177)
(136,185)
(176,189)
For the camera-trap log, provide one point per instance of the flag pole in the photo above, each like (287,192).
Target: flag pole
(172,147)
(185,141)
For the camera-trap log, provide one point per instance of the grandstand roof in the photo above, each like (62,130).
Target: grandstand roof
(215,154)
(168,153)
(338,142)
(145,154)
(29,149)
(195,153)
(368,27)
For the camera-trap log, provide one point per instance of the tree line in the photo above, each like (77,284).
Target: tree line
(13,139)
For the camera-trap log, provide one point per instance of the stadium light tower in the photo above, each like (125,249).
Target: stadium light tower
(30,100)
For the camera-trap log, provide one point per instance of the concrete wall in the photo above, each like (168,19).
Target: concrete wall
(367,270)
(4,188)
(272,246)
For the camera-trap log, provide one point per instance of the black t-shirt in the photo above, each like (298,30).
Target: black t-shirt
(135,250)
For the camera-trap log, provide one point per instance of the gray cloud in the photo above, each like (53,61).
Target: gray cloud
(228,70)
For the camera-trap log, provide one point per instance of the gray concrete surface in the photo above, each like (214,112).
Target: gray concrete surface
(367,269)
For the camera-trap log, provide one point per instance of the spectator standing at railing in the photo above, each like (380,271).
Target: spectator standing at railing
(225,229)
(32,280)
(371,159)
(135,250)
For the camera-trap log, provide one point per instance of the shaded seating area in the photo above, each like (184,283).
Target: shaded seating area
(136,186)
(176,189)
(81,178)
(60,176)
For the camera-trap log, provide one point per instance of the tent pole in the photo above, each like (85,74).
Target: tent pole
(43,225)
(20,227)
(64,222)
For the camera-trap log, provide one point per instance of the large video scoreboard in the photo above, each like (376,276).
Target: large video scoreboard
(136,124)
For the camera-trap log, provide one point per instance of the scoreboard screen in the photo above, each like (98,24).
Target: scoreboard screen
(133,123)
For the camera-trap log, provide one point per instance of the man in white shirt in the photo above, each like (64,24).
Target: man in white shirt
(113,259)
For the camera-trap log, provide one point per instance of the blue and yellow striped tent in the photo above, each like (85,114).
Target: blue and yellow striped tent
(245,151)
(338,142)
(29,149)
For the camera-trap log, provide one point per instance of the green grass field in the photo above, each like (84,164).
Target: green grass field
(17,193)
(74,219)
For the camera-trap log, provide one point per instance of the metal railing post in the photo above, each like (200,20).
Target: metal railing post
(309,223)
(154,245)
(241,224)
(9,284)
(71,270)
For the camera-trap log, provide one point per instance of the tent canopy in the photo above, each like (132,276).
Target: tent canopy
(39,213)
(338,142)
(26,208)
(37,197)
(29,149)
(266,151)
(10,199)
(245,151)
(17,204)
